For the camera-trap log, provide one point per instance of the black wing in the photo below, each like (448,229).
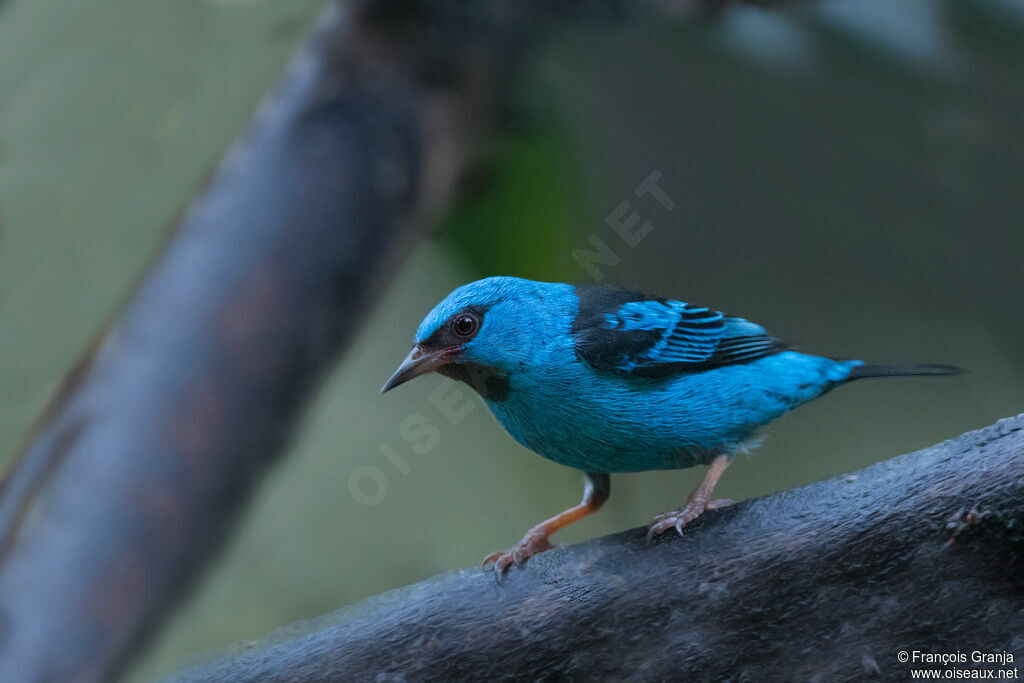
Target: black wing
(629,332)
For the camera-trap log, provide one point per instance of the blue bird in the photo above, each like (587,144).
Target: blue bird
(608,380)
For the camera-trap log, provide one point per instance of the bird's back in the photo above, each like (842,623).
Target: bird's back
(607,419)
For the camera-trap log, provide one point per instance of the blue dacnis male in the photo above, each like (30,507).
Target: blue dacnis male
(608,380)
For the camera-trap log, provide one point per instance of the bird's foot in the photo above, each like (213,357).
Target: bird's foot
(683,516)
(535,541)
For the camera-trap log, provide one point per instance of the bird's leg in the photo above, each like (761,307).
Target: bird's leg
(596,489)
(698,502)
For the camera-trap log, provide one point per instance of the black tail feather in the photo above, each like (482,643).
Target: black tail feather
(903,370)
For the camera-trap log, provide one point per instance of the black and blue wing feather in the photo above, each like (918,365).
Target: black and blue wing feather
(629,332)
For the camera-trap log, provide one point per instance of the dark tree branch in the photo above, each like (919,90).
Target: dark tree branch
(823,583)
(133,474)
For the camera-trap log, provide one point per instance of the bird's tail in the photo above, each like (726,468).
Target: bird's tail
(902,370)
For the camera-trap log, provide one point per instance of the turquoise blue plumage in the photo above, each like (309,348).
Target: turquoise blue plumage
(609,380)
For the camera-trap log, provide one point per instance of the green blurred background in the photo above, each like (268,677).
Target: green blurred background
(847,173)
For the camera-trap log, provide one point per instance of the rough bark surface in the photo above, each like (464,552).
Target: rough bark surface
(823,583)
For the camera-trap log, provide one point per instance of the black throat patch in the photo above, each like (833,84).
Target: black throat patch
(488,382)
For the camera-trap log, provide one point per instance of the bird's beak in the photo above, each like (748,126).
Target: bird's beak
(418,362)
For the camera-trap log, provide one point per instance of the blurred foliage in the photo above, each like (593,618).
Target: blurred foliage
(526,194)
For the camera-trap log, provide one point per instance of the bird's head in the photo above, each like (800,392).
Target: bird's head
(482,333)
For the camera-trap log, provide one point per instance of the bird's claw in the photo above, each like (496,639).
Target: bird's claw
(535,541)
(683,516)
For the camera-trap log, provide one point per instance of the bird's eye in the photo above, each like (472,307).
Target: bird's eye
(465,325)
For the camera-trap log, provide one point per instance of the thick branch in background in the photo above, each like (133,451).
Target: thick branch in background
(144,457)
(134,472)
(823,583)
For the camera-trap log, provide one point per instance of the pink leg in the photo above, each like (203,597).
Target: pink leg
(698,502)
